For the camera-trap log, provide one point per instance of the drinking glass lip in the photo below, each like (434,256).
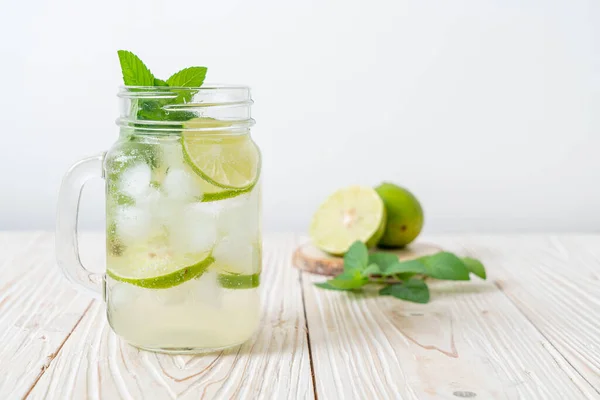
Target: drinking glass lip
(217,86)
(211,96)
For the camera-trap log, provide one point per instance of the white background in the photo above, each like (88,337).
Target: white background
(488,110)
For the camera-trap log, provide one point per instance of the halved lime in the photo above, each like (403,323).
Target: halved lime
(223,160)
(155,267)
(349,214)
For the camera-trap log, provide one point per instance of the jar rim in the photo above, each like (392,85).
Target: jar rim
(227,103)
(209,87)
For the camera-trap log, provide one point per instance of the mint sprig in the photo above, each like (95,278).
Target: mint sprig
(136,73)
(404,280)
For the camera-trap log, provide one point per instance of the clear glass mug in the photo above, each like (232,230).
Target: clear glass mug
(183,237)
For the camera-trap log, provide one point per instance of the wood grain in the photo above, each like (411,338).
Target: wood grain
(38,310)
(555,282)
(470,340)
(529,332)
(96,364)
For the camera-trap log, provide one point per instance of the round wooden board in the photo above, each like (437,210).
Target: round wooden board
(310,259)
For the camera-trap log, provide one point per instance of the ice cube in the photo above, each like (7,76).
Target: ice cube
(235,255)
(207,290)
(194,229)
(150,200)
(174,295)
(132,223)
(172,154)
(121,294)
(240,218)
(181,184)
(135,180)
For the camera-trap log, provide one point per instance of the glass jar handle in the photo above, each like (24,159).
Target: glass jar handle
(67,246)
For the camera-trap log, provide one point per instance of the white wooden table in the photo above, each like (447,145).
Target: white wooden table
(532,331)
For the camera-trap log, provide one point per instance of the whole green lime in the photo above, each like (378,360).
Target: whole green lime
(404,215)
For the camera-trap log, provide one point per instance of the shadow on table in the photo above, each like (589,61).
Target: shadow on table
(274,337)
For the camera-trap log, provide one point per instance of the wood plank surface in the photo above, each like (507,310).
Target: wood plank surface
(532,331)
(555,282)
(38,310)
(469,341)
(96,364)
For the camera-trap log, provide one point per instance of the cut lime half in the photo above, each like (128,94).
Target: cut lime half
(349,214)
(157,268)
(223,160)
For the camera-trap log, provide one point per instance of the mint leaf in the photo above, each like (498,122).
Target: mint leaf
(372,269)
(192,77)
(445,265)
(384,260)
(159,82)
(401,267)
(348,281)
(188,77)
(356,258)
(328,286)
(151,110)
(414,290)
(135,72)
(475,267)
(405,276)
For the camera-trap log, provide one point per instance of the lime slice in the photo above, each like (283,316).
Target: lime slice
(225,161)
(209,191)
(157,267)
(350,214)
(237,281)
(174,159)
(215,193)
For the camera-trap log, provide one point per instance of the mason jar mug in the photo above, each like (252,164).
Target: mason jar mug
(183,237)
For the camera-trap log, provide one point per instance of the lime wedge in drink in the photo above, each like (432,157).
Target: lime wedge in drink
(157,267)
(237,264)
(187,177)
(239,281)
(350,214)
(215,193)
(187,182)
(224,160)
